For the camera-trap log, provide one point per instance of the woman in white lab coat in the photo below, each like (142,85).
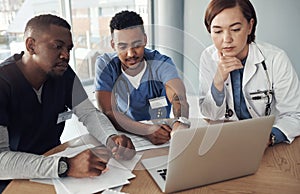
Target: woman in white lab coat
(241,79)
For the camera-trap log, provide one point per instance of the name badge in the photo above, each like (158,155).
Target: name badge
(158,102)
(64,116)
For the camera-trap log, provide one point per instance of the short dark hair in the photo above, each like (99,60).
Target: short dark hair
(126,19)
(217,6)
(43,22)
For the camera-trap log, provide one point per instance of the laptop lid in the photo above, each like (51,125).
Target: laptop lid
(213,153)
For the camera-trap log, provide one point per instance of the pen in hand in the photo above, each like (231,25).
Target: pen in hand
(121,147)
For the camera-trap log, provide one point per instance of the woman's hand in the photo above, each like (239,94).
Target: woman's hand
(225,66)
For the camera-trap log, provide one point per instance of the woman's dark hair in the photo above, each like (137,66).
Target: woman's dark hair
(217,6)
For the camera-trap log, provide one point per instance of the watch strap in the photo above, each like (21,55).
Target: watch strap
(182,120)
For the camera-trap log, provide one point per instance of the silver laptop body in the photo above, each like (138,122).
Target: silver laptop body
(212,153)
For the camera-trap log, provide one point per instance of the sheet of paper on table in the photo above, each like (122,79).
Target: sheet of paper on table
(141,143)
(117,175)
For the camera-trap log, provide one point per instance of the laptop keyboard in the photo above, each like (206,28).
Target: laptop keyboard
(162,173)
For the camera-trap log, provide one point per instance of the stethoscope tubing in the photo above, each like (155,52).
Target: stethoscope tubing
(122,79)
(229,111)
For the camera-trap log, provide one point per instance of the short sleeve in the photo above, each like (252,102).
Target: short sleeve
(105,72)
(164,68)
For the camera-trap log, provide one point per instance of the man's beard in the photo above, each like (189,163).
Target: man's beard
(53,74)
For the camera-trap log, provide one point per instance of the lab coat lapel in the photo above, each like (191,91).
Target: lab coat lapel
(254,58)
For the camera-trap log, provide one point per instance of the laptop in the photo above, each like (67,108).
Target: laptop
(209,154)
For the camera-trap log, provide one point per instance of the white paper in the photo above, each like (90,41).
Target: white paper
(116,176)
(141,143)
(109,191)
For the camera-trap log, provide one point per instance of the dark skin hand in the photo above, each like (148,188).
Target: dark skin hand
(121,147)
(156,134)
(160,135)
(93,162)
(89,163)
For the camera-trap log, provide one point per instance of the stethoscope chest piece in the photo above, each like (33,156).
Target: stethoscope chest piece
(229,113)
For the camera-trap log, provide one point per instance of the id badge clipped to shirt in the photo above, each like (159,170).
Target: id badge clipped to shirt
(158,105)
(64,116)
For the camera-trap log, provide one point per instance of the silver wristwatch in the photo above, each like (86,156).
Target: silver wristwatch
(182,120)
(63,167)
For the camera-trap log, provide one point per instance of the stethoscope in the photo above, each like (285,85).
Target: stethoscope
(259,95)
(122,84)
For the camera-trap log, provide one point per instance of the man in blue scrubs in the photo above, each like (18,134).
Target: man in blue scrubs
(138,84)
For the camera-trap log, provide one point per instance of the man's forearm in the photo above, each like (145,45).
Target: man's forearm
(180,106)
(18,165)
(124,123)
(176,94)
(24,165)
(96,122)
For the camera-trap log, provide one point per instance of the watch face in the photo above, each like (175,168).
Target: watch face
(63,167)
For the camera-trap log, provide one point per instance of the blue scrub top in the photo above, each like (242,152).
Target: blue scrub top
(160,69)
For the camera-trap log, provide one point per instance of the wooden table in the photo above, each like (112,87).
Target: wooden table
(279,172)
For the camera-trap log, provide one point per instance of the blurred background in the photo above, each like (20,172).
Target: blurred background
(174,27)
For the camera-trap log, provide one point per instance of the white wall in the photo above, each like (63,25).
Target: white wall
(278,23)
(168,28)
(195,40)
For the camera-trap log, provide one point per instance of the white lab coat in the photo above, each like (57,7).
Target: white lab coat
(285,83)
